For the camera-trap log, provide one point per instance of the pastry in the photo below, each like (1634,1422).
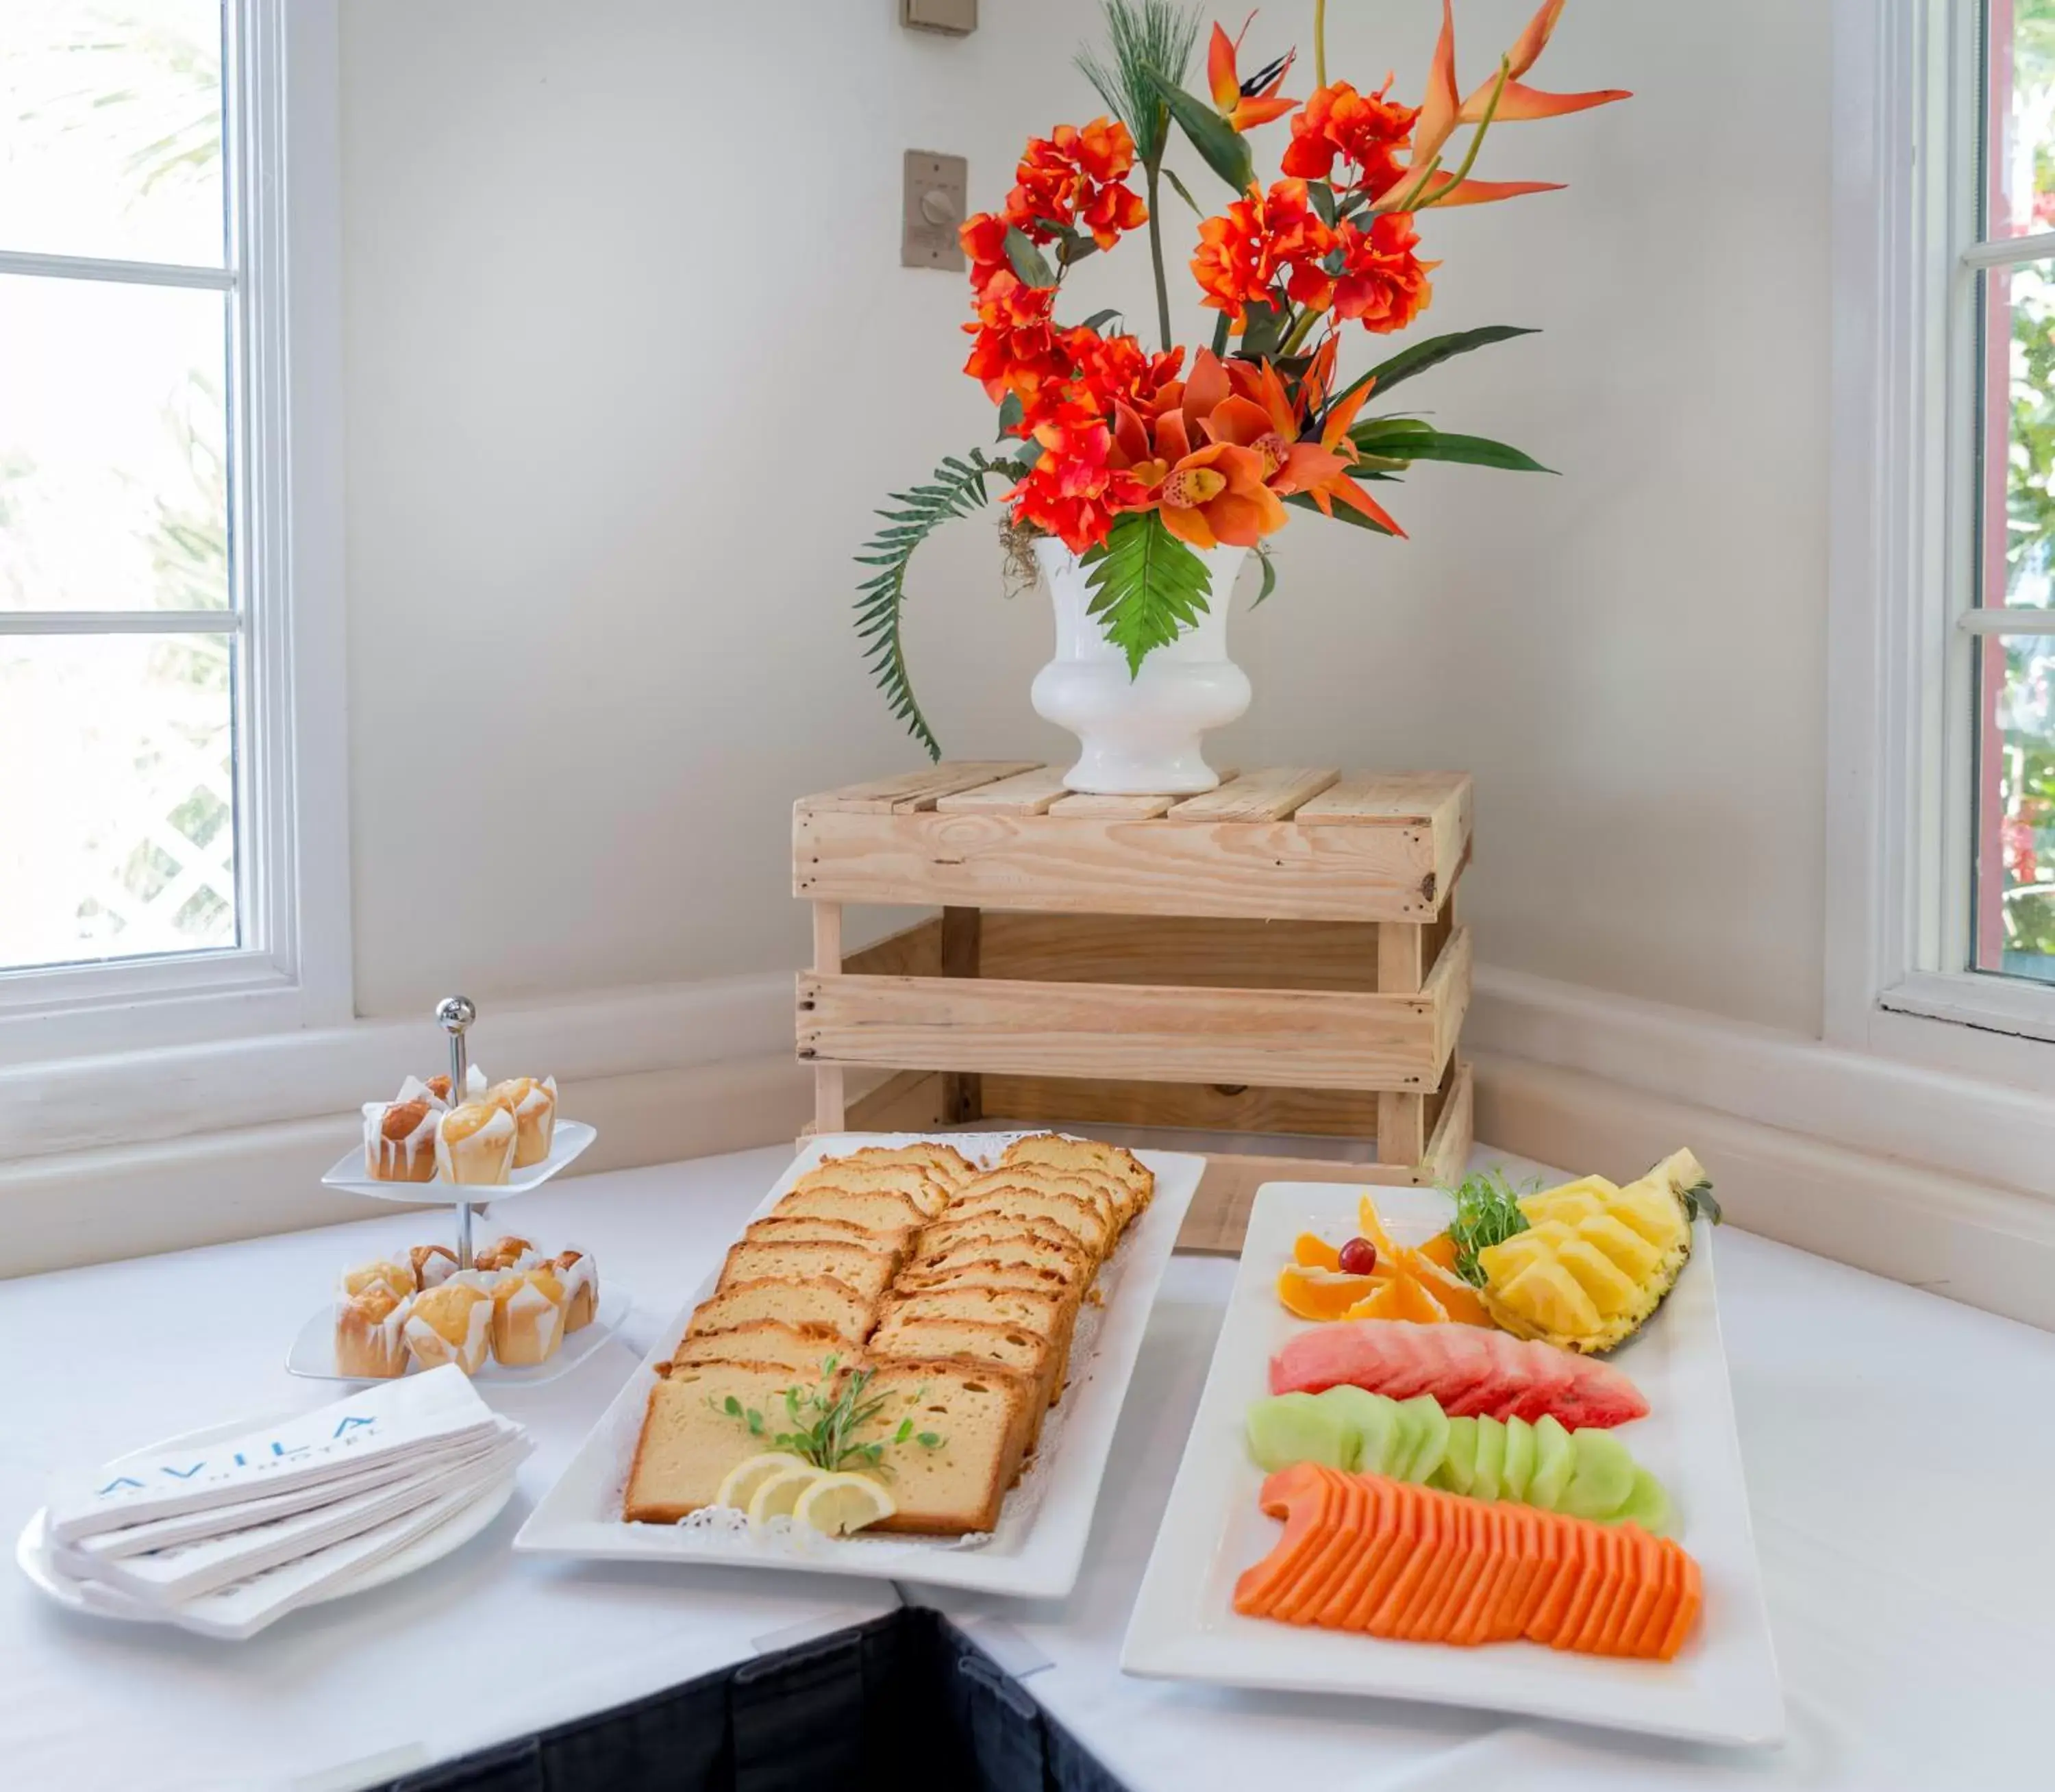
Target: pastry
(439,1086)
(397,1277)
(370,1332)
(503,1254)
(580,1276)
(528,1312)
(534,1106)
(400,1139)
(475,1144)
(432,1265)
(452,1323)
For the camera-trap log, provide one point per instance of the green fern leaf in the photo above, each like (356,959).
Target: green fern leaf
(956,489)
(1147,585)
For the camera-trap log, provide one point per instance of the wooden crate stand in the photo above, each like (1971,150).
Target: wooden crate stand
(1280,955)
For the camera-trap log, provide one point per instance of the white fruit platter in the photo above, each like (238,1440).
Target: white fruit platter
(1721,1685)
(1040,1541)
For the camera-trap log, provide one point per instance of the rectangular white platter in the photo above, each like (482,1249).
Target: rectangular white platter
(1722,1688)
(1040,1541)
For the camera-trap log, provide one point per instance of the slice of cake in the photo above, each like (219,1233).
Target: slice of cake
(803,1300)
(1074,1214)
(803,1349)
(913,1180)
(863,1271)
(982,1417)
(689,1442)
(980,1343)
(874,1208)
(1132,1176)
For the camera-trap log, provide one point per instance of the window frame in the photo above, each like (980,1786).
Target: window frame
(282,270)
(1903,626)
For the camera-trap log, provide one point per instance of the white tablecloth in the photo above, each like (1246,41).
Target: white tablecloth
(1901,1467)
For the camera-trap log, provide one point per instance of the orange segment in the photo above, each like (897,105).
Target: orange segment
(1440,1250)
(1311,1251)
(1403,1297)
(1460,1301)
(1372,1228)
(1322,1294)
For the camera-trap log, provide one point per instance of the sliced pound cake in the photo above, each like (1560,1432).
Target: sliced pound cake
(1096,1191)
(944,1163)
(989,1272)
(1132,1176)
(813,1229)
(982,1417)
(877,1210)
(804,1300)
(914,1181)
(688,1444)
(1076,1216)
(863,1271)
(803,1349)
(1008,1347)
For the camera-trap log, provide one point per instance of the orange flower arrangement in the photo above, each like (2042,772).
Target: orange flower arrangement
(1134,459)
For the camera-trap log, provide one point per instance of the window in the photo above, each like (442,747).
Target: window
(156,651)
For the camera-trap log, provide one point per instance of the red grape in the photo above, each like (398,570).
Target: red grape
(1358,1257)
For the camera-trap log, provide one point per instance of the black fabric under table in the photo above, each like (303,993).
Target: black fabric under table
(904,1703)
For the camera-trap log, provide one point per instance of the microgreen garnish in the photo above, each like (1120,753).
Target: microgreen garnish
(825,1419)
(1487,1214)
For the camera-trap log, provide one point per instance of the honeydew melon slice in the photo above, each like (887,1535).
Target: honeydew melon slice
(1648,1506)
(1372,1421)
(1604,1477)
(1459,1458)
(1288,1428)
(1490,1459)
(1518,1467)
(1555,1460)
(1430,1427)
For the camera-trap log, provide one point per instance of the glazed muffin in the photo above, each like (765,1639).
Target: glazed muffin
(370,1332)
(528,1312)
(534,1106)
(475,1144)
(400,1139)
(452,1323)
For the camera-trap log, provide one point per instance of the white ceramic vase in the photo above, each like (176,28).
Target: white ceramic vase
(1140,736)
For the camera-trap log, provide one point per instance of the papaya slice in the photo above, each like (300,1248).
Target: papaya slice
(1294,1494)
(1401,1515)
(1689,1597)
(1614,1553)
(1375,1544)
(1384,1619)
(1632,1619)
(1323,1571)
(1473,1555)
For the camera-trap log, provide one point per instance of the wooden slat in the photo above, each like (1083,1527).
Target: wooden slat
(1449,1150)
(914,951)
(1435,804)
(1204,1106)
(907,1101)
(963,1094)
(1205,951)
(1402,1119)
(828,938)
(1294,1038)
(1258,796)
(1071,864)
(1025,793)
(918,790)
(1447,994)
(1089,804)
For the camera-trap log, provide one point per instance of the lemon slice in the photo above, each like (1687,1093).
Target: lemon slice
(778,1492)
(838,1504)
(744,1478)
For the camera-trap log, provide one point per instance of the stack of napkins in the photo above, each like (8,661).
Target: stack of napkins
(228,1537)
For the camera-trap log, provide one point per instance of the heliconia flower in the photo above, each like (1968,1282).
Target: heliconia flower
(1383,283)
(1521,102)
(1244,252)
(1320,470)
(1243,111)
(1365,129)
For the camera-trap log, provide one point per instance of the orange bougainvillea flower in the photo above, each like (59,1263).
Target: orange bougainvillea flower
(1365,130)
(1323,1295)
(1243,109)
(1075,176)
(1245,251)
(1383,283)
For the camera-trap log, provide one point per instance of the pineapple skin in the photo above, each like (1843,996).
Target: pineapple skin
(1675,1175)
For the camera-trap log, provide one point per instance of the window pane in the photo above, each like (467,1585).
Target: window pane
(113,447)
(2018,509)
(110,129)
(123,841)
(2019,114)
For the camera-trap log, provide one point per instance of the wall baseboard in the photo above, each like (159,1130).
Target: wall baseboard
(57,1212)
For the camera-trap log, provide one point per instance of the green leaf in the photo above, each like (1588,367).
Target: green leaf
(1487,1214)
(1099,320)
(1142,37)
(1183,192)
(731,1407)
(1221,147)
(957,488)
(1261,331)
(928,1440)
(1269,573)
(1011,412)
(1323,196)
(1221,325)
(1432,353)
(1028,261)
(1147,585)
(1431,444)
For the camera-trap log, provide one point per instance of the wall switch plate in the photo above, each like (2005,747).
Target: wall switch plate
(932,210)
(958,17)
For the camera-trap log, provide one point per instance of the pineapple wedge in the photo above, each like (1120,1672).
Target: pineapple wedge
(1596,1261)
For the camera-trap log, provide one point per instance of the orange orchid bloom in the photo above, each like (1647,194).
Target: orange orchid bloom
(1216,495)
(1243,111)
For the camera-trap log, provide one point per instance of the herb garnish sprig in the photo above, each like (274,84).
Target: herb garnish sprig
(824,1420)
(1487,1214)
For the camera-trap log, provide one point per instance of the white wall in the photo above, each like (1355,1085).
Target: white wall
(630,358)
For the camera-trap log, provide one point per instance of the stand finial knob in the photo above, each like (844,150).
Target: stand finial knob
(456,1013)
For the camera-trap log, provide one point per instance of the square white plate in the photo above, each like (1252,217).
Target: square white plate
(313,1354)
(1723,1687)
(570,1139)
(581,1515)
